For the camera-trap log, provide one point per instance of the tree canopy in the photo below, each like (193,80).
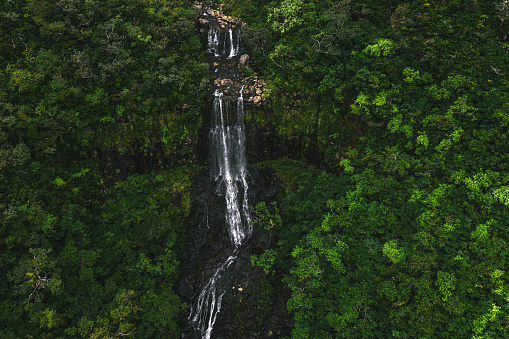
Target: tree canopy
(397,228)
(88,238)
(406,101)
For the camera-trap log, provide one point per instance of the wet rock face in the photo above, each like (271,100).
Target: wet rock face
(253,304)
(117,165)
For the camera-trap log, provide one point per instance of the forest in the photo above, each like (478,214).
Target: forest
(393,216)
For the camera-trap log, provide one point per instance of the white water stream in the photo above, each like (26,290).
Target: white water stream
(207,305)
(228,168)
(224,43)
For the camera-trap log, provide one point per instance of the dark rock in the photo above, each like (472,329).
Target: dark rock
(253,304)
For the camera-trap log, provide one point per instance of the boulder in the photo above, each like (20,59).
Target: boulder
(223,82)
(244,58)
(226,82)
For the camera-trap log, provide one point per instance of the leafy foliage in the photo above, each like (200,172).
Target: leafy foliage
(102,272)
(407,104)
(80,257)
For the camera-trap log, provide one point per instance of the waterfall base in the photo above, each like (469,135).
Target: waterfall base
(253,304)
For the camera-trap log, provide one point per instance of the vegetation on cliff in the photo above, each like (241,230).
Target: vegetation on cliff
(407,103)
(81,255)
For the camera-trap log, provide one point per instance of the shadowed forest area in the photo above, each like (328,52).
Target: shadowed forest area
(393,217)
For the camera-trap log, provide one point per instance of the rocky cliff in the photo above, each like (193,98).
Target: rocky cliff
(253,304)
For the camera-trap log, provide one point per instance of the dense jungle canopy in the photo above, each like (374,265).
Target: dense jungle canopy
(394,221)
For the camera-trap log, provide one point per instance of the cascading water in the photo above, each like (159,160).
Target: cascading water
(222,43)
(234,43)
(228,170)
(208,303)
(213,41)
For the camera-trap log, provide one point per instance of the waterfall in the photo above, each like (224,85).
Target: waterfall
(207,305)
(213,38)
(224,44)
(234,42)
(228,169)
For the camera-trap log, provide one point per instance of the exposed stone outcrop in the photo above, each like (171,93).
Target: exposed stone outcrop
(244,58)
(231,69)
(218,15)
(223,82)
